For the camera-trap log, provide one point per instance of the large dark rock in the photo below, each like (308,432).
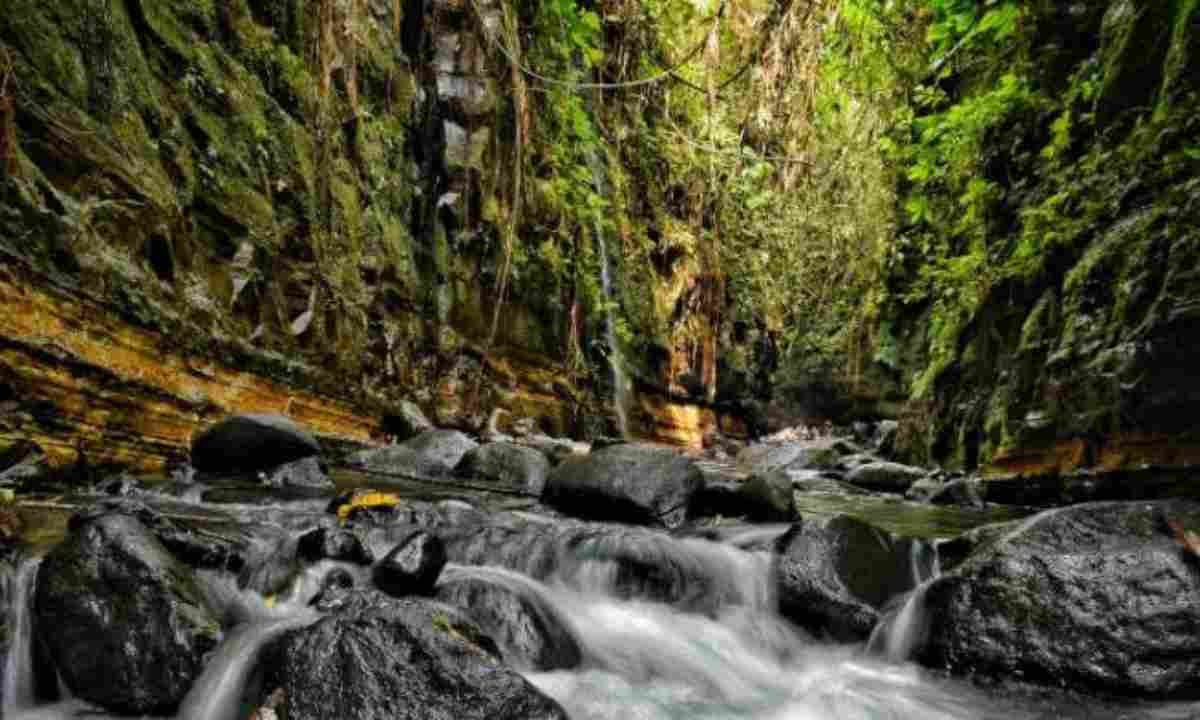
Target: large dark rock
(1100,595)
(249,443)
(835,574)
(626,483)
(885,476)
(412,567)
(530,633)
(125,621)
(378,658)
(514,467)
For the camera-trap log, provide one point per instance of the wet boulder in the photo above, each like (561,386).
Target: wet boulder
(412,567)
(1100,595)
(329,543)
(372,657)
(769,497)
(885,476)
(964,492)
(835,574)
(398,461)
(304,474)
(432,454)
(511,466)
(530,634)
(629,483)
(250,443)
(125,622)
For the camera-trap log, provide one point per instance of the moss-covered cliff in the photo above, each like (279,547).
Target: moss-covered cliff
(1042,295)
(260,204)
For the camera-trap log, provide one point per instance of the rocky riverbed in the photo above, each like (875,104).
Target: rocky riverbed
(532,577)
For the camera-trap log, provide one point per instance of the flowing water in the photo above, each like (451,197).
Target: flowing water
(668,629)
(621,390)
(18,688)
(738,659)
(898,633)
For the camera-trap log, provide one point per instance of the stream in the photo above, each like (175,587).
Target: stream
(712,647)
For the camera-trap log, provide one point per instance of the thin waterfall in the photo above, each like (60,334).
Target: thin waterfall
(19,682)
(621,395)
(896,636)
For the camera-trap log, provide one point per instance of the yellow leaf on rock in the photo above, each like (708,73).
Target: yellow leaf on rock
(367,499)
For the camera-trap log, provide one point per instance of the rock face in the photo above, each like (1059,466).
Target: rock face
(529,633)
(1099,595)
(835,574)
(1083,359)
(249,443)
(377,658)
(508,465)
(412,567)
(125,622)
(626,483)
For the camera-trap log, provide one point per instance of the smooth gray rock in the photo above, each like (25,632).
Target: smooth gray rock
(885,476)
(794,455)
(446,447)
(511,466)
(306,474)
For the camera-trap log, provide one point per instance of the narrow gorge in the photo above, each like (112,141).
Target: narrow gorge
(599,359)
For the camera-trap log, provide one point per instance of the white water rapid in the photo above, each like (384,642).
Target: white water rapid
(648,660)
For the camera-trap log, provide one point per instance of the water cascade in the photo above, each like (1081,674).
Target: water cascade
(735,658)
(897,634)
(19,683)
